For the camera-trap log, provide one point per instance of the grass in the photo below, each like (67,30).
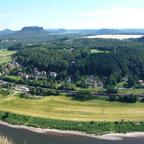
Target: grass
(120,85)
(98,89)
(5,56)
(13,78)
(65,108)
(4,140)
(120,91)
(131,91)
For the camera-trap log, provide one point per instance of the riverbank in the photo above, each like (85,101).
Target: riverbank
(111,136)
(49,131)
(98,130)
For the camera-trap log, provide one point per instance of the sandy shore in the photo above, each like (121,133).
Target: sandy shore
(111,136)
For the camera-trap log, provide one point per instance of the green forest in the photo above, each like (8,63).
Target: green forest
(110,60)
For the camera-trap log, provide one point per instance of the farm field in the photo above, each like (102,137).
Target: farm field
(65,108)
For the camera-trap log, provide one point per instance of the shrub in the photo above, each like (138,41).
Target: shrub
(83,95)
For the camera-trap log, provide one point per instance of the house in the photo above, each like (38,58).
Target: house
(23,75)
(94,82)
(53,74)
(71,49)
(43,73)
(38,73)
(69,80)
(12,65)
(141,82)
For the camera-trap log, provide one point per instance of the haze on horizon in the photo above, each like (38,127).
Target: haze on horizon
(72,14)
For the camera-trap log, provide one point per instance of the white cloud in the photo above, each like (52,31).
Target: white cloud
(114,18)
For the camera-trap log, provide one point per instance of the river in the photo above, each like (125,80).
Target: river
(23,136)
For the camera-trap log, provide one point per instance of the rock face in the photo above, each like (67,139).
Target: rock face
(33,29)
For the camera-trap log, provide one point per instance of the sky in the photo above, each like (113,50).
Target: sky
(72,14)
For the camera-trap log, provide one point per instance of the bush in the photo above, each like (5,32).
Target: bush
(83,95)
(112,98)
(111,90)
(82,84)
(42,91)
(87,127)
(67,87)
(124,98)
(142,100)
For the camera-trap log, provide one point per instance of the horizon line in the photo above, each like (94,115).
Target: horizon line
(13,29)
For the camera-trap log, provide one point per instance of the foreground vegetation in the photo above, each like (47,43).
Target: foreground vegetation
(4,140)
(66,108)
(88,127)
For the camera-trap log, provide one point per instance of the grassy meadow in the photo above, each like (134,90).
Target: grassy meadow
(131,91)
(65,108)
(5,56)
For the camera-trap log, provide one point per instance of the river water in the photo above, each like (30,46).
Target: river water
(23,136)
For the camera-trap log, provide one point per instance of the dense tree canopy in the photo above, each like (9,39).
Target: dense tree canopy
(112,60)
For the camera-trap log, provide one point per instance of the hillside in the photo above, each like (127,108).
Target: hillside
(110,60)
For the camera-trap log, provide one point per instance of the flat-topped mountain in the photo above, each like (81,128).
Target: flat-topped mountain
(33,29)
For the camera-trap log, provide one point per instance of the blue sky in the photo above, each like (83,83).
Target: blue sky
(15,14)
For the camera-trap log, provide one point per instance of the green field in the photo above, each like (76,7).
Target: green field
(131,91)
(5,56)
(64,108)
(13,78)
(120,91)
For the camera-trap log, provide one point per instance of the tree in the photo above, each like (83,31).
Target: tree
(111,90)
(132,81)
(83,95)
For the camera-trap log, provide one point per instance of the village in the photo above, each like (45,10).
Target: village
(14,75)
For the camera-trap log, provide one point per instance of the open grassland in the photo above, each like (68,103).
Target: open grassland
(120,91)
(64,108)
(131,91)
(5,56)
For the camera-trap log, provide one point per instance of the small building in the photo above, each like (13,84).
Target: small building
(69,80)
(71,49)
(141,82)
(12,65)
(53,74)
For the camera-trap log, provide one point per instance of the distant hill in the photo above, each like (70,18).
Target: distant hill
(34,34)
(108,31)
(141,39)
(6,32)
(57,30)
(39,34)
